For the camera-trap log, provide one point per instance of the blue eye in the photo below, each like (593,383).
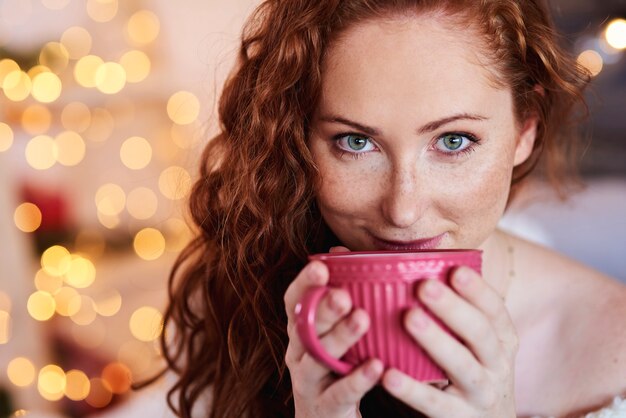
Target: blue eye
(453,143)
(354,143)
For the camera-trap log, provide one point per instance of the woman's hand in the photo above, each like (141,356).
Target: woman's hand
(316,391)
(481,372)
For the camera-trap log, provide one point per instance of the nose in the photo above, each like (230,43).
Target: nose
(406,198)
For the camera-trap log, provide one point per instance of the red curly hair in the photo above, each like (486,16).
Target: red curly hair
(254,202)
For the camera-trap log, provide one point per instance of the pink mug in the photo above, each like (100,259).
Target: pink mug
(383,283)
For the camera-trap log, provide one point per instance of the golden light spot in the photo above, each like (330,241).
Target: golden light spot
(5,327)
(54,56)
(91,336)
(110,78)
(77,385)
(146,323)
(56,260)
(47,282)
(55,4)
(7,66)
(109,221)
(143,27)
(17,86)
(118,376)
(21,372)
(141,203)
(137,66)
(36,70)
(183,107)
(175,183)
(592,61)
(149,244)
(85,313)
(70,148)
(5,302)
(65,299)
(102,10)
(184,136)
(91,242)
(6,137)
(615,34)
(20,413)
(51,382)
(41,305)
(102,125)
(138,356)
(46,87)
(100,394)
(27,217)
(81,273)
(76,117)
(77,41)
(110,199)
(177,234)
(85,70)
(36,119)
(41,152)
(108,303)
(136,153)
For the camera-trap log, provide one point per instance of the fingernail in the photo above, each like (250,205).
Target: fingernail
(373,370)
(335,303)
(433,289)
(418,320)
(353,324)
(462,276)
(393,379)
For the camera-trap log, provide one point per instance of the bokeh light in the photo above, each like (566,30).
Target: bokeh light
(41,305)
(27,217)
(77,385)
(6,137)
(5,326)
(142,203)
(36,119)
(54,56)
(175,183)
(85,310)
(55,4)
(110,199)
(5,302)
(110,78)
(46,87)
(51,382)
(77,41)
(177,234)
(146,323)
(136,64)
(102,10)
(100,394)
(7,66)
(102,125)
(47,282)
(86,69)
(65,299)
(136,153)
(41,152)
(149,244)
(183,107)
(143,27)
(21,372)
(70,148)
(81,274)
(108,303)
(616,34)
(76,117)
(17,85)
(118,376)
(592,61)
(109,221)
(56,260)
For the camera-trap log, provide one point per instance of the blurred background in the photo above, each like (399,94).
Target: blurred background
(105,106)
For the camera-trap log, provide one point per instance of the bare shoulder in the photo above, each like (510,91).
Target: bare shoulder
(579,320)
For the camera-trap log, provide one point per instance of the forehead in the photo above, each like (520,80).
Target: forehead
(429,61)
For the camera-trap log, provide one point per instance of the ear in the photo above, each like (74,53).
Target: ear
(526,140)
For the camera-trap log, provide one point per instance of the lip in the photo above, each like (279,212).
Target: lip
(419,244)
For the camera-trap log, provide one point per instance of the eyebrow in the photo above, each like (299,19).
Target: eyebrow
(429,127)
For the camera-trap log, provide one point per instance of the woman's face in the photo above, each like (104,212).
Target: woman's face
(414,142)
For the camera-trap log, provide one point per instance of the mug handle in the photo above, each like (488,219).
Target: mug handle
(305,324)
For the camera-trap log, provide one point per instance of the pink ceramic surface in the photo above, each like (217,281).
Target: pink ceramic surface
(384,284)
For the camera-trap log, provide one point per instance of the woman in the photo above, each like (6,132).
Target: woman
(381,125)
